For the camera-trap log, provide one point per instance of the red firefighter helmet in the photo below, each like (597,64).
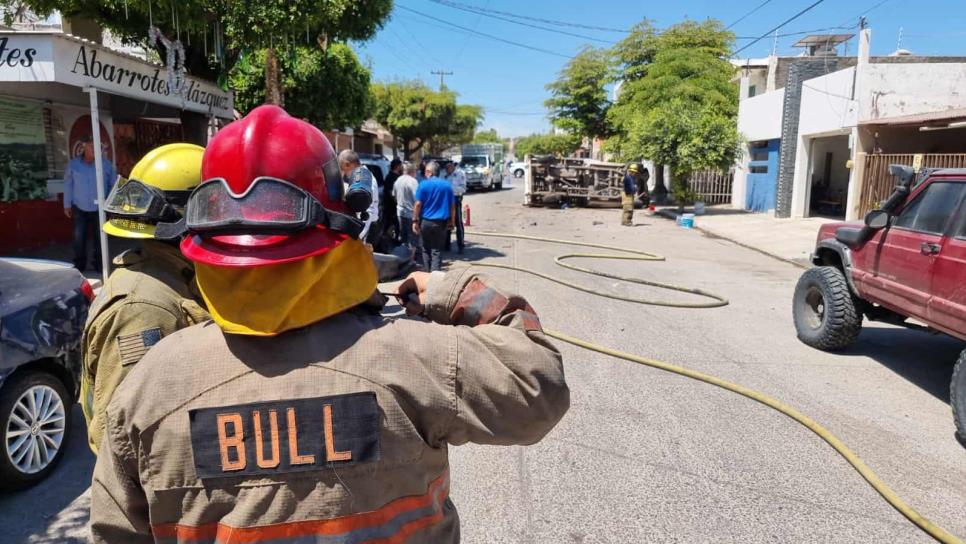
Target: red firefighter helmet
(266,144)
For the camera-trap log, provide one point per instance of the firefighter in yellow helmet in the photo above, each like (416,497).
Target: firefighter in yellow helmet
(152,291)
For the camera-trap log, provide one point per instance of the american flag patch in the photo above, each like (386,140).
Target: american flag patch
(132,347)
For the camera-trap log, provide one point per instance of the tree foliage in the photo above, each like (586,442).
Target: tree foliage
(276,25)
(579,100)
(547,144)
(417,115)
(677,104)
(329,89)
(487,137)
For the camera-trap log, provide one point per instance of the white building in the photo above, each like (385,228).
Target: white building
(821,134)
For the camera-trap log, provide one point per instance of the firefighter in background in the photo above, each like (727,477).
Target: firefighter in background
(152,292)
(629,194)
(302,413)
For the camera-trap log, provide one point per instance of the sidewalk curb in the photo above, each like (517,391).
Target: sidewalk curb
(673,215)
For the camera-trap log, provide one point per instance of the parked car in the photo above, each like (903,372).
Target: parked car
(908,261)
(518,168)
(43,307)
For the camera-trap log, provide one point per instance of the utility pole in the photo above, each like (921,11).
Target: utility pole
(441,74)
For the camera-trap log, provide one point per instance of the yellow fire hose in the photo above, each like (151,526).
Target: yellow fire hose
(713,301)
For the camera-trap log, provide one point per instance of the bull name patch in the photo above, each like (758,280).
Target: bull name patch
(297,435)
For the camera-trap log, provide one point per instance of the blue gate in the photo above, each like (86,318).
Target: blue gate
(762,180)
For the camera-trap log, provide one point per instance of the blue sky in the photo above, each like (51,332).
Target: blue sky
(508,81)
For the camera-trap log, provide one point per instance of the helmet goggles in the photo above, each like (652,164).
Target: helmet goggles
(133,199)
(268,206)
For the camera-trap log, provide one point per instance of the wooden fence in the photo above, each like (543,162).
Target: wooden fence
(712,187)
(877,184)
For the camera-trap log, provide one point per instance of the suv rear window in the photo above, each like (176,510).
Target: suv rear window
(932,209)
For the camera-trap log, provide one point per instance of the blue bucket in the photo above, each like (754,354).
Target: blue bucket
(686,220)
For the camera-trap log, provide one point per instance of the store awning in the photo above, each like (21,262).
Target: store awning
(920,118)
(54,57)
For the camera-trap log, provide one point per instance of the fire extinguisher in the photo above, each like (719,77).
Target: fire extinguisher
(466,215)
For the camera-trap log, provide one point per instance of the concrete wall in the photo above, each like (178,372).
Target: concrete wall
(760,117)
(826,104)
(893,90)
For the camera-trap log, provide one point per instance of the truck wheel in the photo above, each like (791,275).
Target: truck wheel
(518,173)
(35,424)
(825,313)
(957,397)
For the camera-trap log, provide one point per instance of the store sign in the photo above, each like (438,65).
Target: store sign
(55,57)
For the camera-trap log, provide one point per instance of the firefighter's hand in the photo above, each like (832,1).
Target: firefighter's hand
(412,292)
(415,227)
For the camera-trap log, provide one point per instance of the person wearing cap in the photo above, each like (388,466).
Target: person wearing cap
(80,201)
(302,414)
(457,178)
(152,292)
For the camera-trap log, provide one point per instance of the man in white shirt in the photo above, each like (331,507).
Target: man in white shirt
(404,191)
(457,178)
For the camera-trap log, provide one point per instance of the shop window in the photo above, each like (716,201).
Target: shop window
(758,169)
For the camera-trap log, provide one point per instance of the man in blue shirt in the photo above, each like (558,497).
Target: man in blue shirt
(433,216)
(80,201)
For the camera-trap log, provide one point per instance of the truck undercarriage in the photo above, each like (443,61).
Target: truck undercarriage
(577,182)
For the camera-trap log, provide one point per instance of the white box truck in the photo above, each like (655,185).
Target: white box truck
(483,165)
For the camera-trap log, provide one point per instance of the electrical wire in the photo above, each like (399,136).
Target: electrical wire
(454,5)
(712,301)
(749,14)
(478,33)
(772,31)
(537,19)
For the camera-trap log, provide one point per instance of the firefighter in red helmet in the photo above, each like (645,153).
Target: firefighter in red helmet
(301,414)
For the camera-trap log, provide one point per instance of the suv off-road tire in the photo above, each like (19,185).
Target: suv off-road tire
(11,478)
(957,397)
(825,312)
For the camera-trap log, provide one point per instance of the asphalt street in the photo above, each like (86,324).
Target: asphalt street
(645,456)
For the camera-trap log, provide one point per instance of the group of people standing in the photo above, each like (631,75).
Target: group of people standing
(428,207)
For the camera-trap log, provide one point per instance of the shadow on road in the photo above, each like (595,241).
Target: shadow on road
(33,514)
(924,359)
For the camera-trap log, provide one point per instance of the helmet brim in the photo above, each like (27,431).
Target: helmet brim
(145,230)
(261,250)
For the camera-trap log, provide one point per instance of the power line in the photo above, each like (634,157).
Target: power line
(749,14)
(539,20)
(441,74)
(483,13)
(485,35)
(785,22)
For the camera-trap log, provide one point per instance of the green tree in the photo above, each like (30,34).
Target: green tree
(330,88)
(487,137)
(677,105)
(273,25)
(418,115)
(547,144)
(579,100)
(458,130)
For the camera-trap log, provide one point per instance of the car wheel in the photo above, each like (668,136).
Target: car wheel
(34,418)
(957,397)
(518,173)
(825,312)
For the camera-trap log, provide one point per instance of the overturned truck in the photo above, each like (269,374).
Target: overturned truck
(550,181)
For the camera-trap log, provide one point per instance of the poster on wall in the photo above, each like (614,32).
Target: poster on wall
(23,153)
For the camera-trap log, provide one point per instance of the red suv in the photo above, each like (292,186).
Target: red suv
(907,261)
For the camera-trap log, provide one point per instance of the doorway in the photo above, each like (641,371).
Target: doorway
(828,177)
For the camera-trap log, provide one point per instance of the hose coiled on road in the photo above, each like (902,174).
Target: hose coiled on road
(712,301)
